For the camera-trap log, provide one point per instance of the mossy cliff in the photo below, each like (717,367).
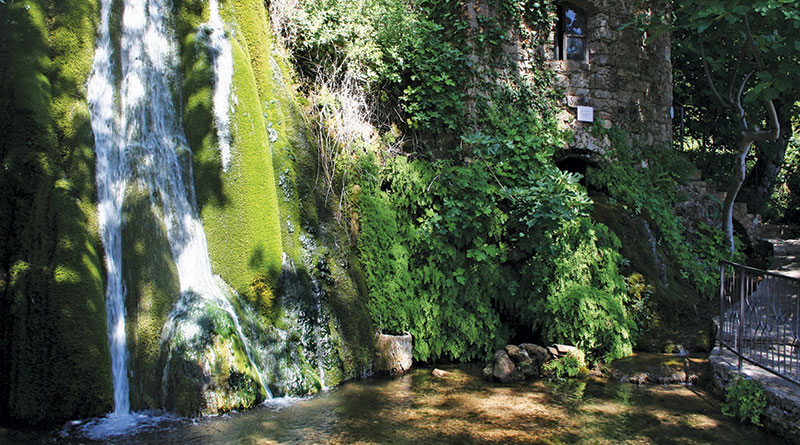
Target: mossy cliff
(270,235)
(54,359)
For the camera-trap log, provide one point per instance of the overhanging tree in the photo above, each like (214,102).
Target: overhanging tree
(750,47)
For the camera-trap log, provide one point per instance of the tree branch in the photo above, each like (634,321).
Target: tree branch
(725,104)
(739,100)
(752,44)
(735,74)
(774,132)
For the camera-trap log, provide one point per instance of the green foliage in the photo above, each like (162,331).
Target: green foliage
(488,238)
(746,400)
(571,365)
(461,255)
(639,294)
(644,182)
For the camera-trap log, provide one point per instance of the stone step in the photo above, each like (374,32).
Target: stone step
(783,261)
(756,218)
(701,186)
(784,247)
(792,270)
(772,231)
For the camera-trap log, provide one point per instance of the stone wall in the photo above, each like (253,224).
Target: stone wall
(782,415)
(626,79)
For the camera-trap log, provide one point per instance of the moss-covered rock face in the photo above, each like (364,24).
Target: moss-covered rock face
(304,320)
(238,204)
(206,367)
(153,288)
(54,360)
(667,307)
(294,317)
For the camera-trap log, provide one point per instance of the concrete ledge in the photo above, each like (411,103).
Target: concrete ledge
(782,415)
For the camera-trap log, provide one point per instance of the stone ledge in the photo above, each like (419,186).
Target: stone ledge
(782,415)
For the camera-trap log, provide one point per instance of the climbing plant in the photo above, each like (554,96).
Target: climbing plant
(467,232)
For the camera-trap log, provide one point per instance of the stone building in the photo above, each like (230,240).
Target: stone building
(621,76)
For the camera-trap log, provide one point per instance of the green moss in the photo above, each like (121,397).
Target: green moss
(54,362)
(238,206)
(672,312)
(153,287)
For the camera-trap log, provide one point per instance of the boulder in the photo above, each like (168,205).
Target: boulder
(529,368)
(393,353)
(517,354)
(504,369)
(536,353)
(565,349)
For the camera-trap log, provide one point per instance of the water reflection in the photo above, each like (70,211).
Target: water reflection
(462,408)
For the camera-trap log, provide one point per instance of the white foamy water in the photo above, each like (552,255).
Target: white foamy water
(222,55)
(138,137)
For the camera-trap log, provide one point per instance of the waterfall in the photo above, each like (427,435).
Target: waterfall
(138,136)
(111,182)
(223,78)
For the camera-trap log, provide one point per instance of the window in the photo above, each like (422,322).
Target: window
(571,34)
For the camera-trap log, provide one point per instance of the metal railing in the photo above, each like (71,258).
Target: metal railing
(759,318)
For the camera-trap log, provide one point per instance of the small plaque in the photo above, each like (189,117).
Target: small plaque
(585,114)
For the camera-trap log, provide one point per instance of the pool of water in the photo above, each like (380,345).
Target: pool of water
(459,408)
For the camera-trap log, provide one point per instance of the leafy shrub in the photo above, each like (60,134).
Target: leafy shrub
(571,365)
(472,234)
(745,399)
(645,182)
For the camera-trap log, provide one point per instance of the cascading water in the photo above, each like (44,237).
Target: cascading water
(223,78)
(111,182)
(138,137)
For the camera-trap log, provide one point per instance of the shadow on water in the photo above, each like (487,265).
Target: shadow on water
(462,408)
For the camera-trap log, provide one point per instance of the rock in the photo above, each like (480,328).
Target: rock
(441,373)
(552,351)
(393,353)
(529,368)
(488,371)
(536,353)
(503,366)
(519,355)
(640,378)
(565,349)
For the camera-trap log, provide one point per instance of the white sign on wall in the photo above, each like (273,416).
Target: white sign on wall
(585,114)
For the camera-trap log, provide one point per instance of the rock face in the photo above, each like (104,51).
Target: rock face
(536,353)
(393,353)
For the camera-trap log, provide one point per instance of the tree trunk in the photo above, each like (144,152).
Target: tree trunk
(759,184)
(739,173)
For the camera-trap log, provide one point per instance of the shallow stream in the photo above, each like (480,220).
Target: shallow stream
(460,408)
